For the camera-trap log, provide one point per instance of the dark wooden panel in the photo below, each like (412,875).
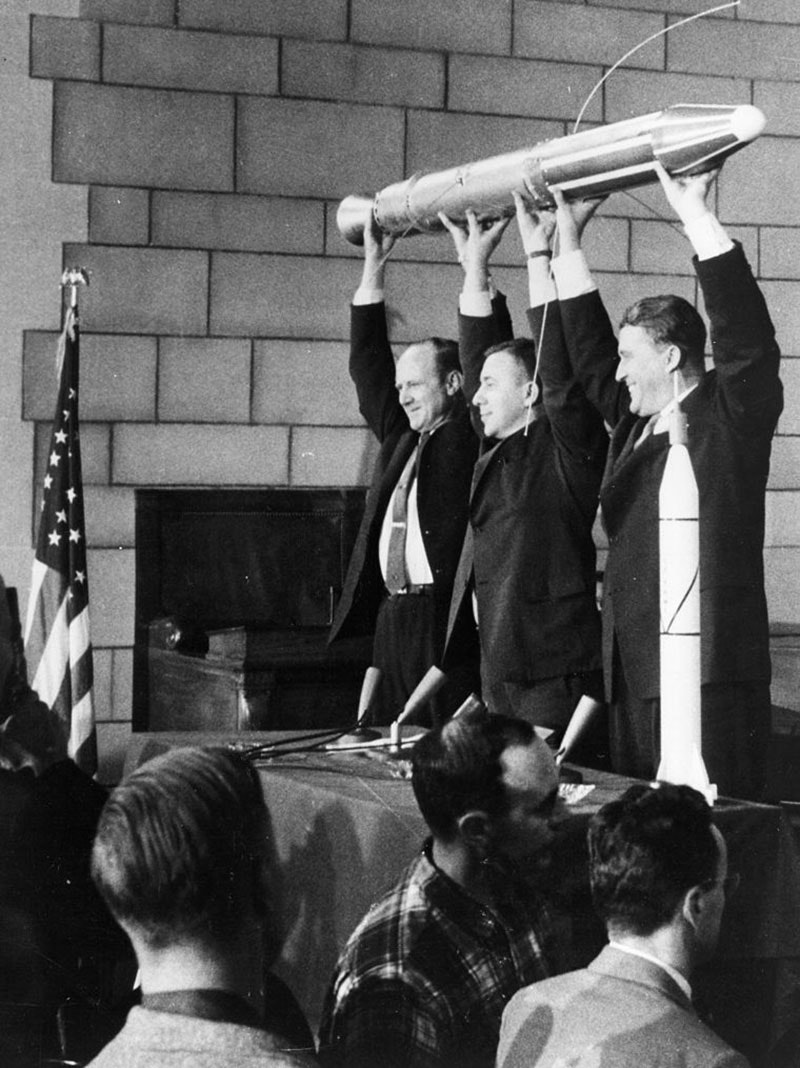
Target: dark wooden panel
(262,560)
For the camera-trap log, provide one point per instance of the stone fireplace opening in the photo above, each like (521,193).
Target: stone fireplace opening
(235,591)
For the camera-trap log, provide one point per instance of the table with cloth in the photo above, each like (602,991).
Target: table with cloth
(345,824)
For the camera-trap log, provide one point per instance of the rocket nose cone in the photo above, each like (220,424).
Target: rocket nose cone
(747,122)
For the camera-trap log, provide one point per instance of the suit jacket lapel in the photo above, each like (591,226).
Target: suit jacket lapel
(511,450)
(621,449)
(482,465)
(624,449)
(394,468)
(624,444)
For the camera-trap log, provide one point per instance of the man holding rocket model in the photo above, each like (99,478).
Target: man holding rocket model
(732,411)
(400,574)
(528,560)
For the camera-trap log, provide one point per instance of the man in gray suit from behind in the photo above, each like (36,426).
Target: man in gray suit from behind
(659,876)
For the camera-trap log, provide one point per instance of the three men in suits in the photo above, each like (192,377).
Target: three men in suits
(529,556)
(400,575)
(732,413)
(659,877)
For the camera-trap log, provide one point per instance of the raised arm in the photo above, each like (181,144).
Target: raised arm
(371,360)
(483,318)
(746,355)
(577,426)
(589,335)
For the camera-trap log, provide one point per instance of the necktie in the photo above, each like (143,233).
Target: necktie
(396,575)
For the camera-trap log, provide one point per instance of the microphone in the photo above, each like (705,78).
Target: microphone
(429,685)
(362,733)
(369,688)
(580,719)
(471,704)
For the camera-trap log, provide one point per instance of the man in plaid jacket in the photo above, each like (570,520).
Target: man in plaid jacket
(424,978)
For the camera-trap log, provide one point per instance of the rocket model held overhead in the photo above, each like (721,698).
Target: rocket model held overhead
(679,576)
(686,139)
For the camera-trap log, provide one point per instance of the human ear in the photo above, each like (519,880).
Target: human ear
(452,383)
(531,392)
(693,906)
(475,831)
(674,358)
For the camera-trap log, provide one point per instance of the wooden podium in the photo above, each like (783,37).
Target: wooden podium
(254,680)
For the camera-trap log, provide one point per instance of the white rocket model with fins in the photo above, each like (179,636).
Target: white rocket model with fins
(679,558)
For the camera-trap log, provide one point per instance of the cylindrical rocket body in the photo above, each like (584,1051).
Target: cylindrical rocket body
(684,138)
(679,562)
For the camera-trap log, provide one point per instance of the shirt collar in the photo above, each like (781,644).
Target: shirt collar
(507,893)
(220,1005)
(673,973)
(662,419)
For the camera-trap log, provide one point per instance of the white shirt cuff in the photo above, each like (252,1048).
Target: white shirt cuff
(368,295)
(708,236)
(541,286)
(477,303)
(572,275)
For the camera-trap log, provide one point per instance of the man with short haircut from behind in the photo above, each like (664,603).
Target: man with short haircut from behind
(180,858)
(424,978)
(659,877)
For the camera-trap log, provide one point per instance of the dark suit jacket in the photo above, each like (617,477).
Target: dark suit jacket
(620,1012)
(442,485)
(532,506)
(732,416)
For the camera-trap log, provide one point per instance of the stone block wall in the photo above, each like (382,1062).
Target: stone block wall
(215,139)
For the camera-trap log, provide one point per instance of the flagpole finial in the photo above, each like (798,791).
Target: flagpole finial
(74,277)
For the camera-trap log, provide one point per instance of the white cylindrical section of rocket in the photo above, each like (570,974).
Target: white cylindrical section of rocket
(679,563)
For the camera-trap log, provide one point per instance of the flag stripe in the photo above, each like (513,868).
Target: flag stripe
(82,724)
(84,751)
(52,664)
(34,616)
(57,643)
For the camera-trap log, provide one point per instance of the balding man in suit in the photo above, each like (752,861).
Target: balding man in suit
(400,575)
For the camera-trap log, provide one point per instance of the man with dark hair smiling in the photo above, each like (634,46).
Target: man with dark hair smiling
(635,381)
(424,978)
(180,858)
(659,876)
(528,566)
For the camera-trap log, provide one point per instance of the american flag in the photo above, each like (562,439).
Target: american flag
(58,647)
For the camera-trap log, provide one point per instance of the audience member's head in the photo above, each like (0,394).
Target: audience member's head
(428,380)
(180,850)
(657,860)
(508,387)
(489,775)
(180,858)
